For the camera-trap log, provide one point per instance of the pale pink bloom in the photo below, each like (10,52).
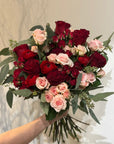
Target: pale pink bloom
(53,90)
(101,73)
(58,103)
(42,83)
(62,87)
(64,59)
(52,57)
(91,77)
(81,50)
(39,36)
(66,94)
(95,45)
(84,82)
(48,96)
(73,50)
(34,49)
(66,48)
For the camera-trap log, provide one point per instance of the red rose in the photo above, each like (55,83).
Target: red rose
(84,60)
(78,66)
(80,36)
(73,82)
(20,49)
(74,72)
(47,66)
(55,39)
(56,77)
(57,51)
(17,73)
(61,44)
(30,81)
(97,60)
(27,54)
(70,43)
(32,67)
(61,26)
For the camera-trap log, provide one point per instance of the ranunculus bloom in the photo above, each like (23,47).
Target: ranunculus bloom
(52,57)
(47,66)
(101,73)
(57,51)
(32,67)
(20,49)
(66,94)
(61,26)
(58,103)
(61,44)
(95,45)
(27,54)
(84,60)
(63,59)
(91,77)
(81,50)
(30,81)
(53,90)
(62,87)
(34,49)
(84,82)
(17,73)
(80,36)
(39,36)
(97,60)
(42,83)
(48,96)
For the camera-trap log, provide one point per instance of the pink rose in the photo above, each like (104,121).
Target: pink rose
(42,83)
(66,94)
(52,57)
(34,49)
(48,96)
(58,103)
(91,77)
(73,50)
(64,59)
(101,73)
(39,36)
(62,87)
(95,45)
(84,82)
(81,50)
(66,48)
(53,90)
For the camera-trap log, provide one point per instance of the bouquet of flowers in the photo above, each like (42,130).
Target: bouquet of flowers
(60,68)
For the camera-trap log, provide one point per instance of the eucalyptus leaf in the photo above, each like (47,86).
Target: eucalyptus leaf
(43,97)
(6,61)
(101,96)
(28,41)
(74,103)
(8,79)
(79,78)
(36,27)
(4,72)
(106,43)
(50,32)
(52,114)
(23,92)
(5,52)
(45,107)
(9,98)
(93,116)
(98,37)
(83,107)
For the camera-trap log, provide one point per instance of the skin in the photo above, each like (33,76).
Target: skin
(27,132)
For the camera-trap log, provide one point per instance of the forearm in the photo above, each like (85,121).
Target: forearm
(26,133)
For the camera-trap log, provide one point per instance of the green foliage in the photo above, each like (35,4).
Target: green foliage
(50,32)
(83,106)
(13,43)
(36,27)
(5,52)
(6,61)
(74,103)
(93,116)
(43,97)
(23,92)
(11,71)
(98,37)
(89,69)
(28,41)
(3,73)
(45,107)
(52,114)
(79,78)
(8,79)
(9,98)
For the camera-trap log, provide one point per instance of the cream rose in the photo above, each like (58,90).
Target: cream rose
(34,49)
(64,59)
(39,36)
(42,83)
(81,50)
(101,73)
(62,87)
(52,57)
(95,45)
(58,103)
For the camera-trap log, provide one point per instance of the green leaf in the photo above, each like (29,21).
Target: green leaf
(52,114)
(105,55)
(83,107)
(6,61)
(50,32)
(9,98)
(11,71)
(106,43)
(98,37)
(28,41)
(101,96)
(36,27)
(4,72)
(93,116)
(74,103)
(8,79)
(5,52)
(45,107)
(79,78)
(43,97)
(23,92)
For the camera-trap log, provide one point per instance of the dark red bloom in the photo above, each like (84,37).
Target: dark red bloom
(56,77)
(61,26)
(80,36)
(20,49)
(32,67)
(17,73)
(61,44)
(70,43)
(47,66)
(73,82)
(68,53)
(77,65)
(27,54)
(67,69)
(84,60)
(57,51)
(74,72)
(97,60)
(55,39)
